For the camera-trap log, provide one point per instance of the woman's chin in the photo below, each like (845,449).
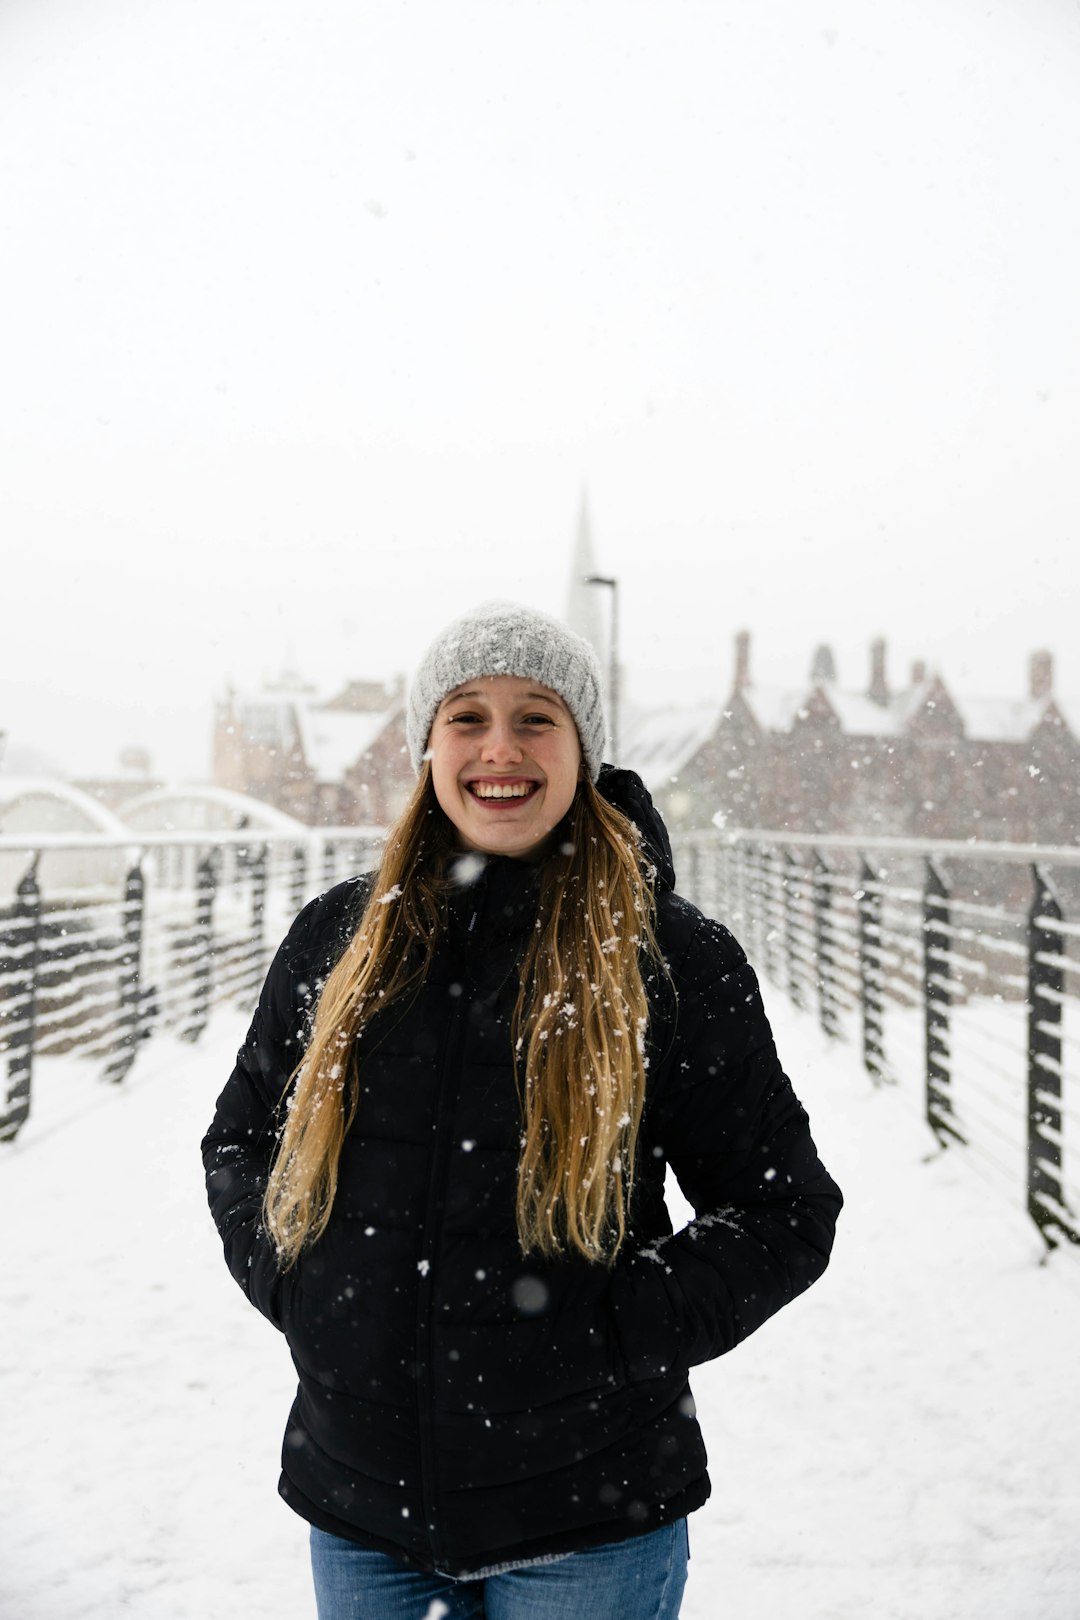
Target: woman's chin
(518,843)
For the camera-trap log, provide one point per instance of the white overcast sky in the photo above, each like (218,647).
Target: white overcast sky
(317,317)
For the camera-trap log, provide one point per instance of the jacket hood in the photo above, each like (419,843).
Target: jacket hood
(628,793)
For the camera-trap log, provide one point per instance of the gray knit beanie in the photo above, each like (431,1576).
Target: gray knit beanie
(501,638)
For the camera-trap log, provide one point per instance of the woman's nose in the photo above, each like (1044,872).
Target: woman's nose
(501,744)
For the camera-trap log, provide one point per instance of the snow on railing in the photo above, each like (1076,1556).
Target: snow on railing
(107,939)
(952,965)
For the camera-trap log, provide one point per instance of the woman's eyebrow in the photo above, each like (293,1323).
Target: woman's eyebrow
(527,697)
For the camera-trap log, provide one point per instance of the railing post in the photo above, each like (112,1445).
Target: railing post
(727,903)
(299,876)
(822,946)
(748,895)
(1046,984)
(754,889)
(25,950)
(703,876)
(739,876)
(759,905)
(792,893)
(937,999)
(202,943)
(706,875)
(714,864)
(870,995)
(692,876)
(770,954)
(258,901)
(130,990)
(329,862)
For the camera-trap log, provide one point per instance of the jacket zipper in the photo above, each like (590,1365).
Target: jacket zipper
(446,1098)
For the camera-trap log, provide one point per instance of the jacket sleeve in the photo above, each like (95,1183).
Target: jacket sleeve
(739,1142)
(238,1148)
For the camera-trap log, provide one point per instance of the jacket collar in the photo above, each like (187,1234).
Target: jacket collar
(628,793)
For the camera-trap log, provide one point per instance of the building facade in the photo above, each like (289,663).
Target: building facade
(341,761)
(915,761)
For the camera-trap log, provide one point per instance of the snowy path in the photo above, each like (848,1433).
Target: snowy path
(901,1443)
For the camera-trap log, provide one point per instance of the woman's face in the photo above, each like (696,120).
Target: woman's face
(505,764)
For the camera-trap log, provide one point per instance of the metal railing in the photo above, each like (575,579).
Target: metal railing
(105,941)
(955,968)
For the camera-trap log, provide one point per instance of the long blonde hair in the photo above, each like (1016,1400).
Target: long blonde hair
(578,1028)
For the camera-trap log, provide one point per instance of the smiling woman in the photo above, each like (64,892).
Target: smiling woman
(439,1167)
(505,764)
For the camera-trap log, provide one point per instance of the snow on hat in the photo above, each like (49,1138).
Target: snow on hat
(501,638)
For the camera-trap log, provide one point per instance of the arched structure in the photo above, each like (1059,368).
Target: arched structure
(33,806)
(206,809)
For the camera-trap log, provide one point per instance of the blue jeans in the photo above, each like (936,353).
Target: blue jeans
(639,1579)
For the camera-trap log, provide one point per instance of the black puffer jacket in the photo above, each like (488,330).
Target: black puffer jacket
(460,1406)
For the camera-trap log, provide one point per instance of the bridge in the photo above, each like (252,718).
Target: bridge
(898,1442)
(952,967)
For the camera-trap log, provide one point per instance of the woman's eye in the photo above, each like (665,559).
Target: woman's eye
(466,718)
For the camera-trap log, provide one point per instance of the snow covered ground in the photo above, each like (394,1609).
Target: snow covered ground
(901,1443)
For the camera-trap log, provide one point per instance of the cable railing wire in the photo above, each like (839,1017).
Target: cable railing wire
(913,948)
(903,968)
(96,969)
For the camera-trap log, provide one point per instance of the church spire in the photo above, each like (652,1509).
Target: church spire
(584,609)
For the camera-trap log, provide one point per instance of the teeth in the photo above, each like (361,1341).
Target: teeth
(486,790)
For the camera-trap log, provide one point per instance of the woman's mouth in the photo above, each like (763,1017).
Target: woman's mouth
(502,792)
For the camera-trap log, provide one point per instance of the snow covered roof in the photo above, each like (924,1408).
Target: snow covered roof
(334,739)
(908,703)
(1000,719)
(775,707)
(860,716)
(658,744)
(1069,710)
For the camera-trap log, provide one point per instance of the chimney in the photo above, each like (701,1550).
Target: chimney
(1041,674)
(742,660)
(823,667)
(918,672)
(878,691)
